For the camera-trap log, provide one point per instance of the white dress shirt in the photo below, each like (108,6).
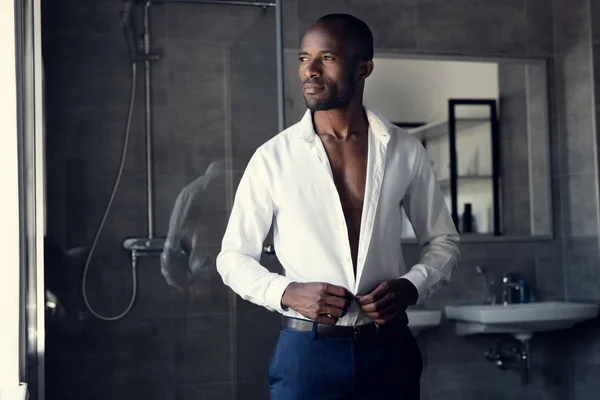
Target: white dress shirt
(288,183)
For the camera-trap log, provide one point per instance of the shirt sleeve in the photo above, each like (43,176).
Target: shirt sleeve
(249,223)
(427,211)
(183,259)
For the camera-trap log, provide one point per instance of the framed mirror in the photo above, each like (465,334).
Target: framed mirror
(484,124)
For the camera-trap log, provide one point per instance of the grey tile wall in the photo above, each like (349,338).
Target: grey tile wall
(393,22)
(549,270)
(594,18)
(576,56)
(574,94)
(463,27)
(202,349)
(254,97)
(585,344)
(437,26)
(539,23)
(87,76)
(581,261)
(209,391)
(253,390)
(290,23)
(205,22)
(585,380)
(579,204)
(571,24)
(66,16)
(478,381)
(596,71)
(257,333)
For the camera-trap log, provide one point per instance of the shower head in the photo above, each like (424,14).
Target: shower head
(127,24)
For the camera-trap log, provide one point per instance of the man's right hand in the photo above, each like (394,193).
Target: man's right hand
(321,302)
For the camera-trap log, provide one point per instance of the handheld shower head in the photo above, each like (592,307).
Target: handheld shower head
(127,24)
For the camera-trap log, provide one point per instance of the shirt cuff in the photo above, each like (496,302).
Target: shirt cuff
(275,292)
(419,280)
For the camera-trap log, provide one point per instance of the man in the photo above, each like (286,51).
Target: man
(334,185)
(186,260)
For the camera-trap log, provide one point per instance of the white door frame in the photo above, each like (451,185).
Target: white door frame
(23,198)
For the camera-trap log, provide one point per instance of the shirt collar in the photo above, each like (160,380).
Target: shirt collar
(379,125)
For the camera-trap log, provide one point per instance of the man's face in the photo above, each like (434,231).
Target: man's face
(327,73)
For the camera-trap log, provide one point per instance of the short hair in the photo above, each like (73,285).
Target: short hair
(358,31)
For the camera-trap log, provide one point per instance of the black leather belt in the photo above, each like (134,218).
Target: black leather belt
(359,331)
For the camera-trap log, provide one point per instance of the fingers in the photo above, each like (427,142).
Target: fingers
(387,319)
(334,298)
(375,295)
(382,312)
(332,312)
(380,304)
(337,291)
(333,306)
(334,301)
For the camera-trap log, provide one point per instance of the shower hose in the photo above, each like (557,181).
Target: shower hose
(106,212)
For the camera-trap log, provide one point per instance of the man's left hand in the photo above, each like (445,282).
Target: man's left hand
(388,300)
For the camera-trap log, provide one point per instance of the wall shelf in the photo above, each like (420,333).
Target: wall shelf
(440,129)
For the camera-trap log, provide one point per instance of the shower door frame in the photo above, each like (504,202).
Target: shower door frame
(30,148)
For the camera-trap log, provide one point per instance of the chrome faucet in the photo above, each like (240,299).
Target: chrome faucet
(490,297)
(510,284)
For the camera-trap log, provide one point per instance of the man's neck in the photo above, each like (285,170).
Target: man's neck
(341,123)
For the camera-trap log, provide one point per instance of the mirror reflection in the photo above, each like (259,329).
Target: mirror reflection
(485,127)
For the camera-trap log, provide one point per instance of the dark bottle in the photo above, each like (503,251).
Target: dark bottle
(467,220)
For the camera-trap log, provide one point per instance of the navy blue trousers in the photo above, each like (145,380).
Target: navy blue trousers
(304,367)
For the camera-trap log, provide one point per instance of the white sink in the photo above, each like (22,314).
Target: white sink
(423,319)
(519,319)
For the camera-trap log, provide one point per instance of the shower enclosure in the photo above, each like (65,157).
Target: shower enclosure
(140,98)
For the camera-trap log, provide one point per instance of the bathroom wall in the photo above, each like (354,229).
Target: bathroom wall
(577,65)
(174,347)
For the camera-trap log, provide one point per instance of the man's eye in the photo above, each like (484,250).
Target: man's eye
(328,58)
(303,59)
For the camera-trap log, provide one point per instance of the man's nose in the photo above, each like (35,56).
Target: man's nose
(312,69)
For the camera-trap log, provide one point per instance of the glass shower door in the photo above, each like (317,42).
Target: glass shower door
(212,100)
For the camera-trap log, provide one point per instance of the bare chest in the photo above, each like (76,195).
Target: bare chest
(348,163)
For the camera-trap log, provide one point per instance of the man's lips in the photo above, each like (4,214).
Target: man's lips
(311,88)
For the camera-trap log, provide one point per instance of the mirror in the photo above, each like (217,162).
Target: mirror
(484,124)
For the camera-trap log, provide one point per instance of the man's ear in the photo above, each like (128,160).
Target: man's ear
(365,68)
